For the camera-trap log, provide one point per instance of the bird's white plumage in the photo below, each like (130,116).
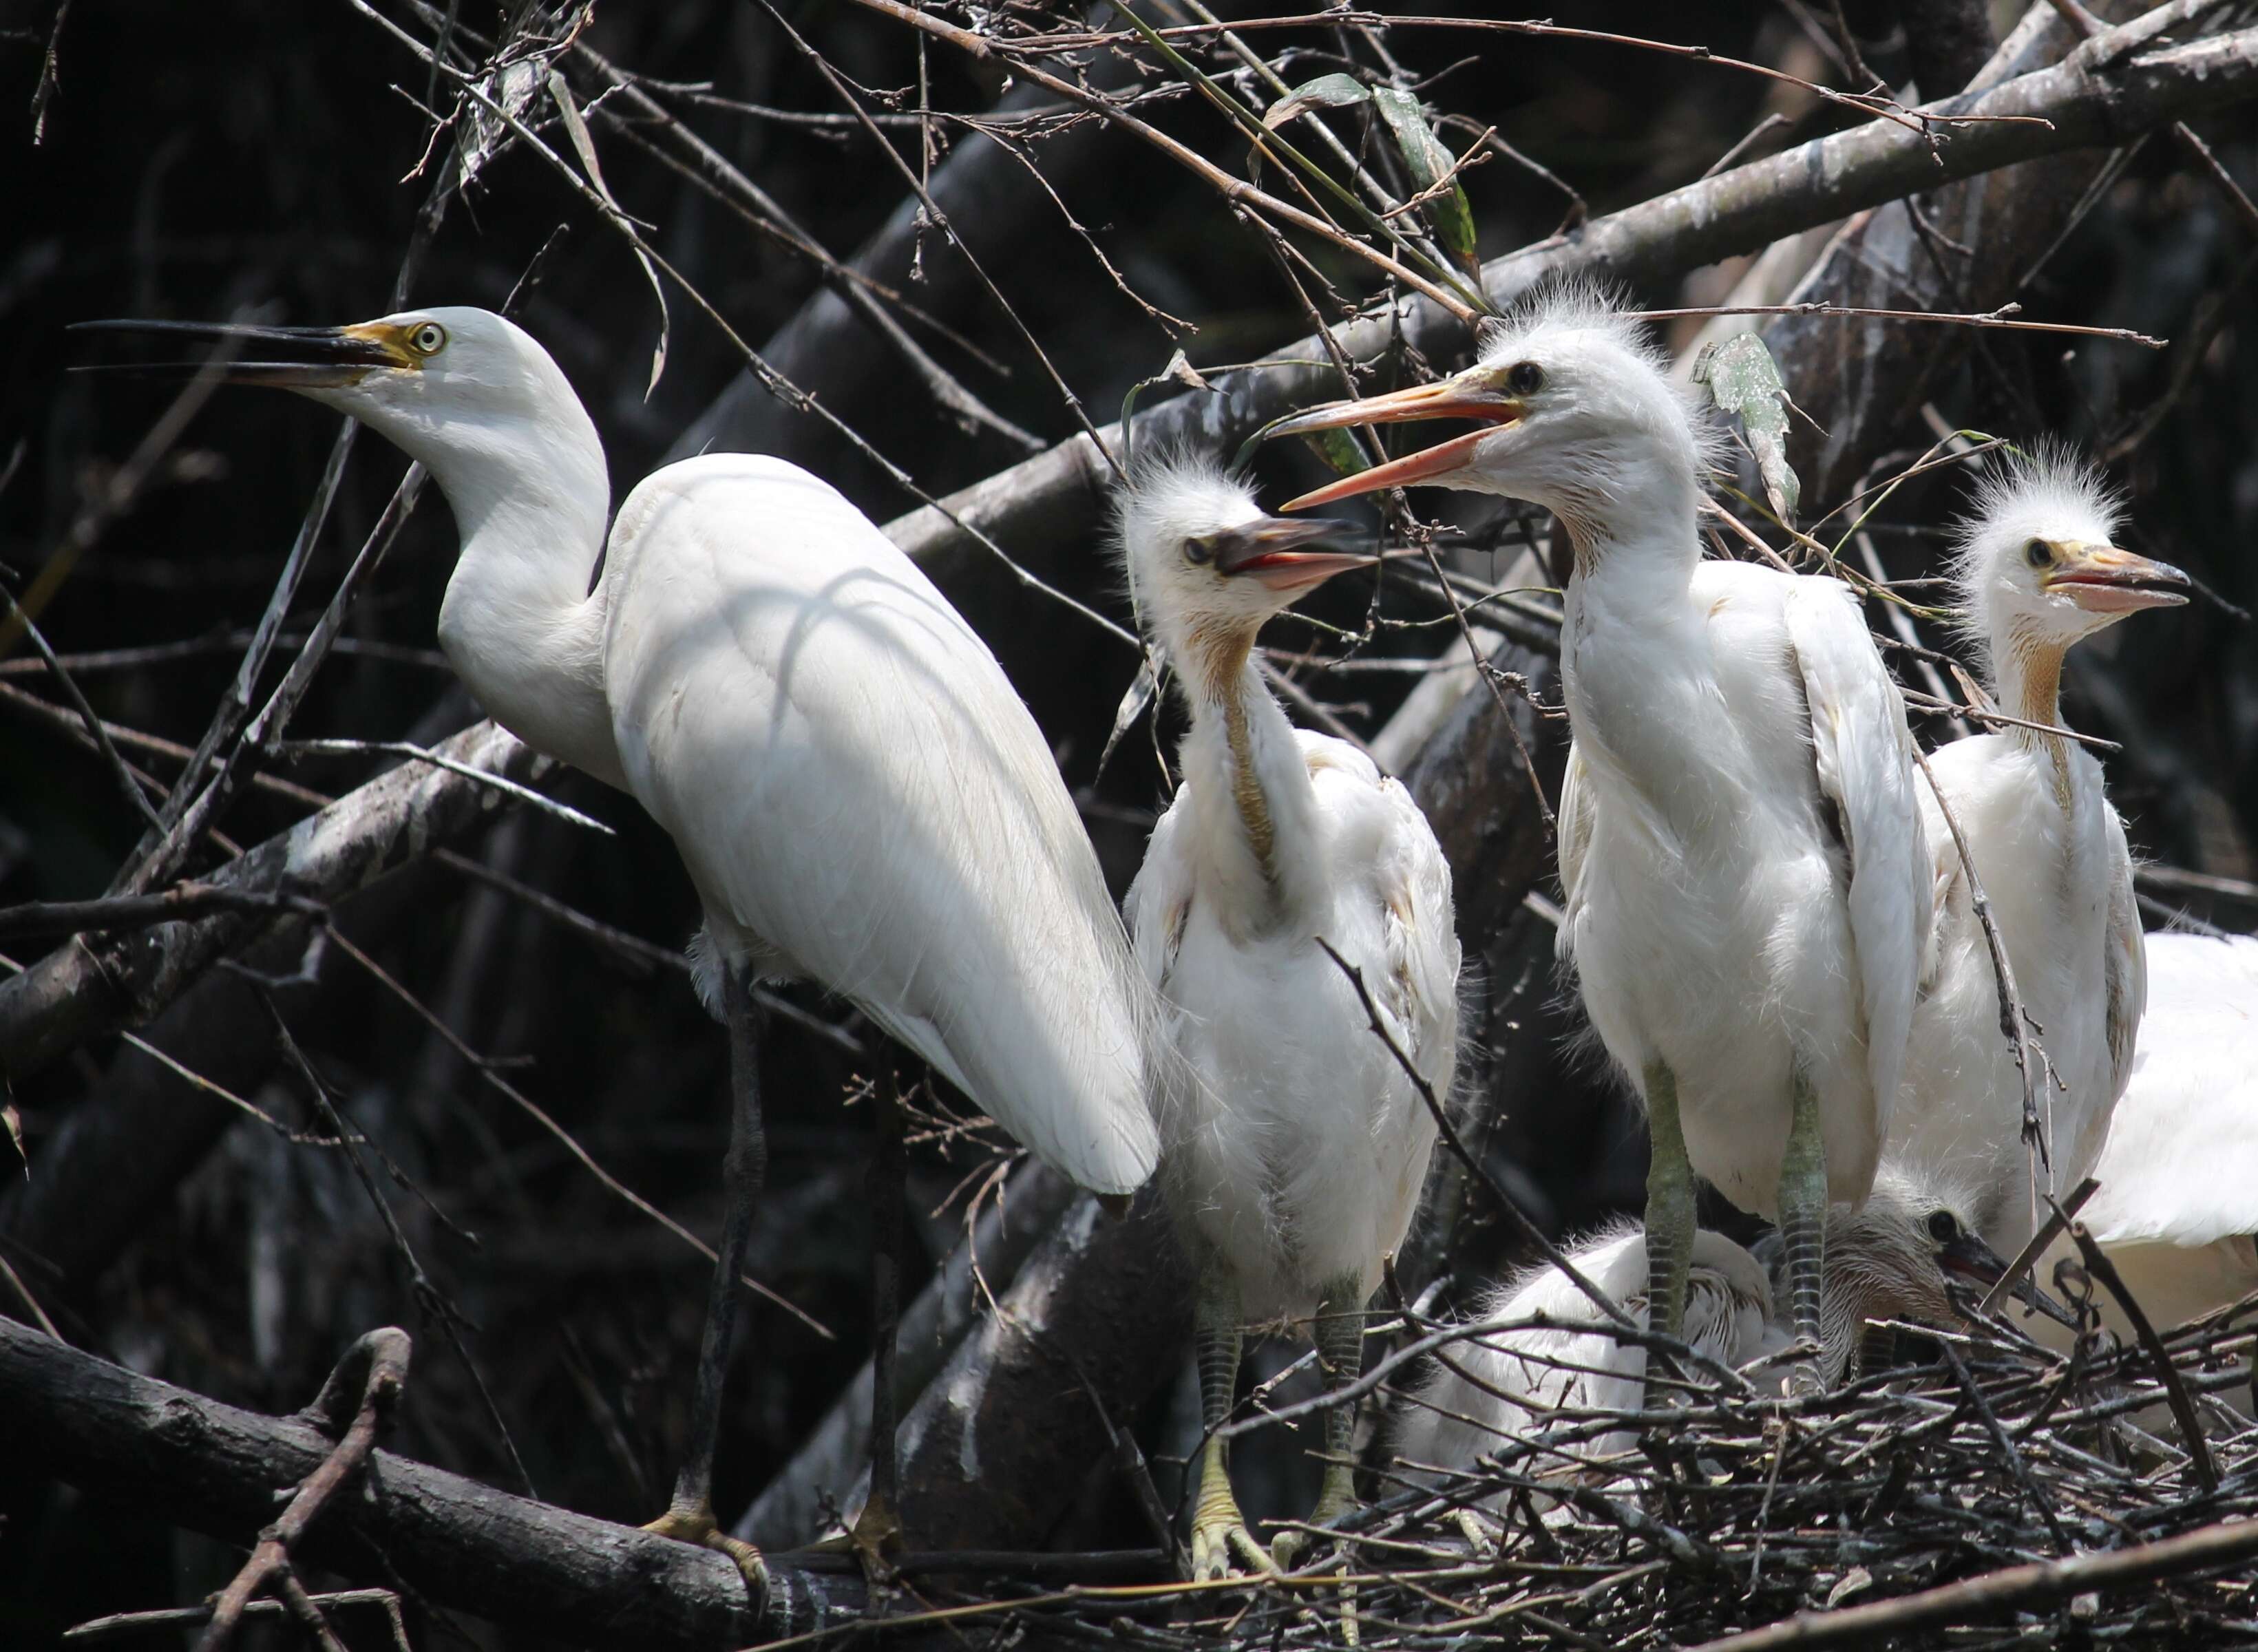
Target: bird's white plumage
(1740,848)
(861,799)
(1547,1354)
(2051,856)
(2180,1165)
(1884,1262)
(857,792)
(1293,1146)
(2177,1207)
(1294,1143)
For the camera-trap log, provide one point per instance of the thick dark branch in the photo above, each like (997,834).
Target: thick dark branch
(211,1467)
(2104,93)
(92,986)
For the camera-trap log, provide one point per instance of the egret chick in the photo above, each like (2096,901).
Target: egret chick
(1747,890)
(2035,574)
(2177,1208)
(860,798)
(1293,1143)
(1898,1257)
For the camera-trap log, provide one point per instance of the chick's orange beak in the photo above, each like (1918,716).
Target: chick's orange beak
(1467,396)
(2103,579)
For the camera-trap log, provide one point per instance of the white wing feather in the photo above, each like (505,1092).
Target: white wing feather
(863,799)
(2127,970)
(2180,1163)
(1862,747)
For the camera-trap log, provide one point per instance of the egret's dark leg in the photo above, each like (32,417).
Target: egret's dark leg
(1218,1526)
(690,1517)
(1340,1336)
(1670,1204)
(1803,1227)
(878,1529)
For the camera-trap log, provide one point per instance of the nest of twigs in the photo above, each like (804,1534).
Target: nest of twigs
(1934,1503)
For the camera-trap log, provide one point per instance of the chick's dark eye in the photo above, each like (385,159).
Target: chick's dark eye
(1524,378)
(2038,553)
(1942,1227)
(1199,552)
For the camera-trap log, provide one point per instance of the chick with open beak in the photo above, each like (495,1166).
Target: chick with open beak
(1746,893)
(2035,574)
(1293,1144)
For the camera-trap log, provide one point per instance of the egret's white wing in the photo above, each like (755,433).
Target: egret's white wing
(2127,970)
(855,787)
(1862,747)
(1577,801)
(2180,1163)
(1421,928)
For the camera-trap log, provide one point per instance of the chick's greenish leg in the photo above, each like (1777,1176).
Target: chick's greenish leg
(689,1518)
(1218,1528)
(1339,1337)
(1803,1229)
(1670,1205)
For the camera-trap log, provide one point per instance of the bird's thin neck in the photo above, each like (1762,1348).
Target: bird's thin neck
(1246,749)
(1633,521)
(2029,686)
(519,622)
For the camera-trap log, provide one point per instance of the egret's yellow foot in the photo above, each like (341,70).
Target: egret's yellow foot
(1220,1542)
(1334,1500)
(697,1524)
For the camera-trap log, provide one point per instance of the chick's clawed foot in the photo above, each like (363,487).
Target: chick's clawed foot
(697,1526)
(1220,1543)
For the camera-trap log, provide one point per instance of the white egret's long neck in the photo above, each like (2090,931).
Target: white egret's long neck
(1258,813)
(2027,667)
(1634,658)
(519,623)
(1631,514)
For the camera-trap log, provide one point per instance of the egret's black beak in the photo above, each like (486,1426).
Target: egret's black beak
(288,357)
(1269,549)
(1968,1258)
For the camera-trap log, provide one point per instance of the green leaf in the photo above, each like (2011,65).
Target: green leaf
(1339,450)
(1427,162)
(1744,380)
(1327,91)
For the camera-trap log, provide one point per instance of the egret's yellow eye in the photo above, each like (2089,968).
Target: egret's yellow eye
(429,340)
(2038,553)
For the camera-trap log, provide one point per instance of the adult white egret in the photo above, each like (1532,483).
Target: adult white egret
(1747,890)
(859,796)
(1897,1256)
(2177,1208)
(1293,1143)
(2036,572)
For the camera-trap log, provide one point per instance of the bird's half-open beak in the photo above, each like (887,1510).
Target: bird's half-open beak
(1469,395)
(288,357)
(1976,1264)
(2103,579)
(1270,550)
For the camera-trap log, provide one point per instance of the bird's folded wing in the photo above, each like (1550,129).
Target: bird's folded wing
(2127,973)
(851,778)
(1863,750)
